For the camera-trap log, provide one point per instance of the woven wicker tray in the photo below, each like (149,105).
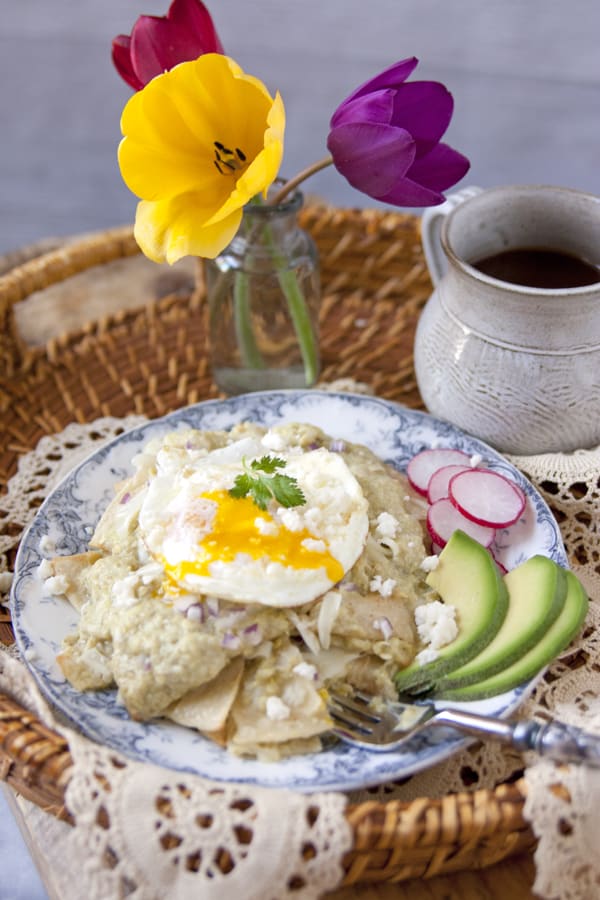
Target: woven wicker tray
(150,360)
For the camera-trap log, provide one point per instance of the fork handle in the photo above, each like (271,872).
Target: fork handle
(554,740)
(558,741)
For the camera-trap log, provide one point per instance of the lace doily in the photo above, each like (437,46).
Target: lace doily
(139,832)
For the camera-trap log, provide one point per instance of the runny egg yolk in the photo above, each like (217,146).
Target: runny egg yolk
(234,531)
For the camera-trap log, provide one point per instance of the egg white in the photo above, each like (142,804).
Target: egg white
(291,556)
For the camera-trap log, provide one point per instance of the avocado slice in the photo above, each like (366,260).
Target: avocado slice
(536,595)
(558,636)
(467,578)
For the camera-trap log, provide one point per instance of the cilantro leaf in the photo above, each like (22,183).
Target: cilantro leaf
(286,491)
(262,481)
(267,464)
(241,486)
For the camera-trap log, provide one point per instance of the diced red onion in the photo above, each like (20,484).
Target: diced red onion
(252,635)
(337,446)
(212,606)
(384,625)
(125,498)
(196,612)
(230,641)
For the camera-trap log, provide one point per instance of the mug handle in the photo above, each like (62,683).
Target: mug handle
(431,230)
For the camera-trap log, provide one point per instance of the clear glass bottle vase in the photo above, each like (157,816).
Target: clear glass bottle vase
(264,296)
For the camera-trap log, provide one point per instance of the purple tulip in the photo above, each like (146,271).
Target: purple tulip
(385,139)
(157,43)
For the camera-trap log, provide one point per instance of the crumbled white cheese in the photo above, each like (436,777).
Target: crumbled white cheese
(31,655)
(476,460)
(6,579)
(277,710)
(315,545)
(436,623)
(124,591)
(426,656)
(45,569)
(57,585)
(263,526)
(386,525)
(430,563)
(272,441)
(305,670)
(381,586)
(313,518)
(290,518)
(47,545)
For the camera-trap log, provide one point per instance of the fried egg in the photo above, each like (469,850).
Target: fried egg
(211,543)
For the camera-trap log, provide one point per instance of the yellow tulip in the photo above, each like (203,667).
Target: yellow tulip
(199,142)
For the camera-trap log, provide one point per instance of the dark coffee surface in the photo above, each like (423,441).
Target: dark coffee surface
(539,267)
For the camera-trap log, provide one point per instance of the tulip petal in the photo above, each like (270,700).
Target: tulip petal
(391,77)
(376,107)
(194,16)
(121,57)
(410,194)
(371,157)
(440,168)
(424,108)
(171,229)
(158,43)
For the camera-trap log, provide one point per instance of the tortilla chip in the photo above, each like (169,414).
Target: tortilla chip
(301,710)
(206,708)
(70,568)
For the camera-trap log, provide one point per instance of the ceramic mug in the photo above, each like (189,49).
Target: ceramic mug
(517,366)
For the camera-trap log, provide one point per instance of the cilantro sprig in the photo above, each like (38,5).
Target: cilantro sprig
(263,482)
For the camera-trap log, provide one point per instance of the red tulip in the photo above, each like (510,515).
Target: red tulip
(157,43)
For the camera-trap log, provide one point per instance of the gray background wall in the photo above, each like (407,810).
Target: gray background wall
(525,75)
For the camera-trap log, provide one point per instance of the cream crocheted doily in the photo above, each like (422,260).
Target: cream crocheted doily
(138,830)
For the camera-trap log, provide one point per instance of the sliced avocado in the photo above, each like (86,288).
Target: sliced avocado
(536,595)
(466,578)
(558,636)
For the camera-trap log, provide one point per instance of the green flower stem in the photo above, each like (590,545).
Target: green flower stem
(249,352)
(302,324)
(297,180)
(297,307)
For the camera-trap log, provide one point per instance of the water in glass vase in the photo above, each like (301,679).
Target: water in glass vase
(264,296)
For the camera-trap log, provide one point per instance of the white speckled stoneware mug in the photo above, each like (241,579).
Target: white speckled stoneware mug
(516,366)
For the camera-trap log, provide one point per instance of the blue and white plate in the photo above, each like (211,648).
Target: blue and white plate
(68,518)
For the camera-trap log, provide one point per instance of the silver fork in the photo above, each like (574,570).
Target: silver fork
(383,726)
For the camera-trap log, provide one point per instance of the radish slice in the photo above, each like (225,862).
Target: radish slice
(486,497)
(501,566)
(424,464)
(437,488)
(443,519)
